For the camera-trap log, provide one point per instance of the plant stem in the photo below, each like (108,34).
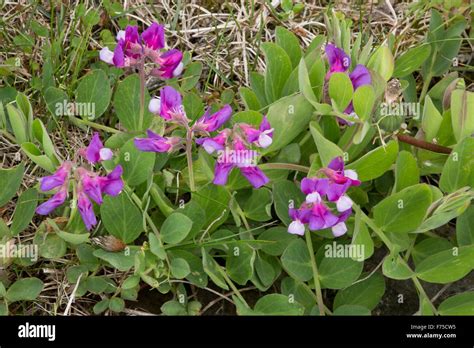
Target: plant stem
(374,227)
(189,157)
(232,286)
(317,285)
(423,144)
(94,125)
(141,73)
(288,166)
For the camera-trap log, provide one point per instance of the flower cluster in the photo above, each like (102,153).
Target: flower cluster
(234,147)
(87,183)
(317,211)
(133,49)
(339,61)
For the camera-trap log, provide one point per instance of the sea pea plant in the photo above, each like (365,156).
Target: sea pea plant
(329,177)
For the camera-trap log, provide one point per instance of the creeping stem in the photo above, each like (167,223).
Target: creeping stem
(141,72)
(317,285)
(189,157)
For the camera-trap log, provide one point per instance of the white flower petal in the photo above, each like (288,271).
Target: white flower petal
(106,55)
(343,203)
(264,140)
(178,70)
(120,35)
(351,174)
(313,197)
(155,105)
(296,227)
(339,229)
(105,154)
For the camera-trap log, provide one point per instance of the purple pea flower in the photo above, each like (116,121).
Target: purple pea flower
(210,123)
(239,157)
(59,177)
(132,49)
(156,143)
(321,217)
(55,201)
(170,64)
(339,179)
(169,105)
(261,137)
(96,152)
(300,217)
(216,143)
(339,61)
(154,37)
(86,210)
(112,184)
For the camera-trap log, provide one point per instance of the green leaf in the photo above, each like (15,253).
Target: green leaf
(411,60)
(191,75)
(296,261)
(431,120)
(407,172)
(289,42)
(101,306)
(277,304)
(465,227)
(338,272)
(403,211)
(94,92)
(214,201)
(32,151)
(121,218)
(258,206)
(179,268)
(286,194)
(395,268)
(429,246)
(257,82)
(460,304)
(175,228)
(340,90)
(240,263)
(462,116)
(347,310)
(250,99)
(363,239)
(305,84)
(193,106)
(24,211)
(212,270)
(137,165)
(280,239)
(123,261)
(366,293)
(446,266)
(74,238)
(55,99)
(363,101)
(197,276)
(288,117)
(173,308)
(26,289)
(50,246)
(127,104)
(277,71)
(116,304)
(459,168)
(327,150)
(382,62)
(376,162)
(18,123)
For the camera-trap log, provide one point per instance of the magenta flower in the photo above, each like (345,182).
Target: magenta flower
(133,49)
(261,137)
(326,204)
(170,64)
(86,210)
(154,37)
(55,201)
(339,61)
(210,123)
(339,179)
(169,106)
(300,217)
(96,152)
(239,156)
(156,143)
(59,177)
(216,143)
(89,185)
